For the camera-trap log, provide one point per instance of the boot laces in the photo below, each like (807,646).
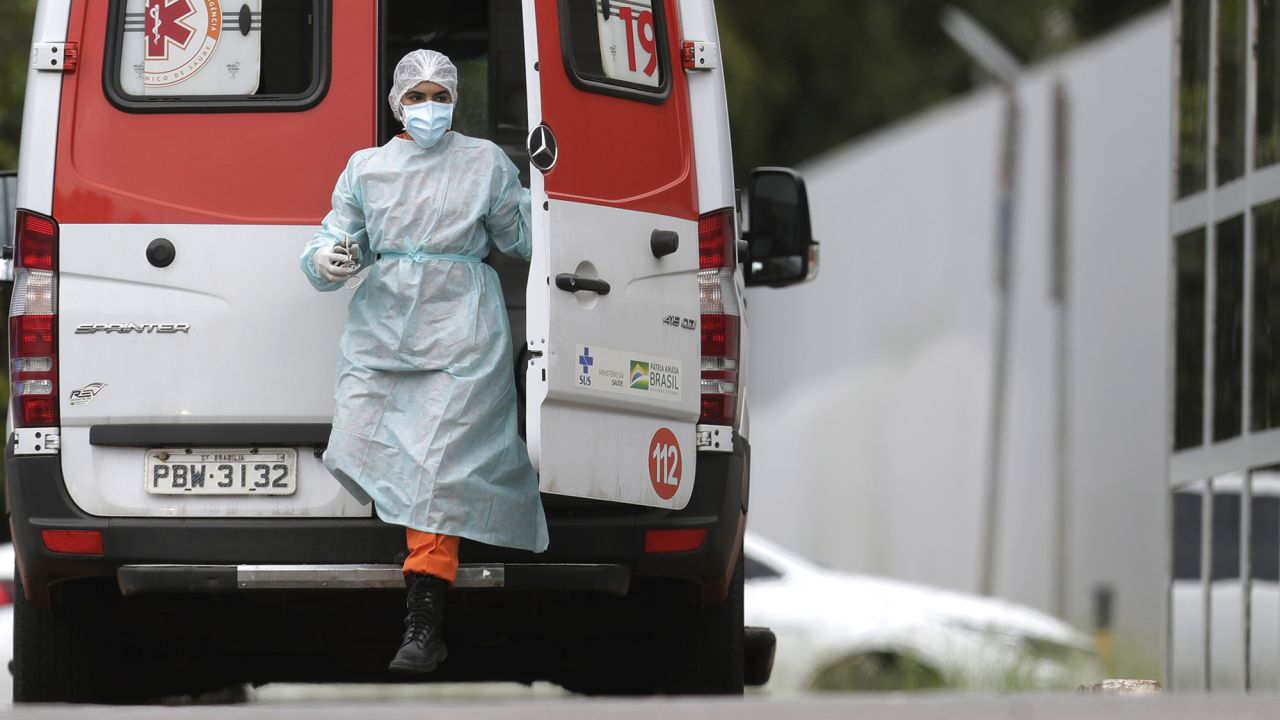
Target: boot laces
(424,604)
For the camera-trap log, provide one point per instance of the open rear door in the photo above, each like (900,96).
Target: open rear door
(613,305)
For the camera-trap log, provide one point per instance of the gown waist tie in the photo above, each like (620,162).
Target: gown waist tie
(419,256)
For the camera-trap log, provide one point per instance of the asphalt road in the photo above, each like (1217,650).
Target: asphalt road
(883,707)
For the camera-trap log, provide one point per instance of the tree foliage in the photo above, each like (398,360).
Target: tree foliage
(807,75)
(803,76)
(16,17)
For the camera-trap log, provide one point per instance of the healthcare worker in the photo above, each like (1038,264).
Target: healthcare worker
(424,421)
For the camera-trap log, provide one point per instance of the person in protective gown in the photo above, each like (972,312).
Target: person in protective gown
(424,422)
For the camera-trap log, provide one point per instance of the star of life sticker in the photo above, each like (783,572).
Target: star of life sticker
(189,48)
(180,37)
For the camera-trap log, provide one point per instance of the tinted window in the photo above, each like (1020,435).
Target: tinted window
(616,46)
(1189,250)
(1264,526)
(1228,334)
(1226,535)
(1232,58)
(1193,97)
(1268,134)
(1266,318)
(215,51)
(1187,523)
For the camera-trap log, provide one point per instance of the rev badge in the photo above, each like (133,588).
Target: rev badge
(86,394)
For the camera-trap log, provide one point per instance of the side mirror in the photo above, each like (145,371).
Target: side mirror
(9,207)
(781,249)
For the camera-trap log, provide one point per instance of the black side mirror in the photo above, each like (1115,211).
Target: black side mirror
(782,251)
(8,206)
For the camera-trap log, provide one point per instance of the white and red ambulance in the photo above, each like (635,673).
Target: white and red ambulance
(172,370)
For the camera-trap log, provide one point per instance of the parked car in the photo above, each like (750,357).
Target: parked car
(842,631)
(6,621)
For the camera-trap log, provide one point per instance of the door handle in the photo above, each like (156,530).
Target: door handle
(664,242)
(573,283)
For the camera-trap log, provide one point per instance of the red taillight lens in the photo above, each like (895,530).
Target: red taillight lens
(33,322)
(716,240)
(672,541)
(36,411)
(720,336)
(73,542)
(36,241)
(717,288)
(31,335)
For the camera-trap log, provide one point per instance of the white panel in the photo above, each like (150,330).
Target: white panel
(709,108)
(109,481)
(1264,644)
(597,438)
(1226,636)
(1187,654)
(39,132)
(538,289)
(261,348)
(262,343)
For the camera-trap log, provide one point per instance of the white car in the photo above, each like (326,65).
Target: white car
(840,631)
(6,621)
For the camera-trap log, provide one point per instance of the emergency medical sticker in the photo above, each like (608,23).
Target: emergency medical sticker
(191,47)
(628,373)
(180,38)
(628,41)
(665,463)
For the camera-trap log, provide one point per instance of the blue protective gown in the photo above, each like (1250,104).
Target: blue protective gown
(424,421)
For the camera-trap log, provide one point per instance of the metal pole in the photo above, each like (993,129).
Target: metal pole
(1000,373)
(996,60)
(1058,283)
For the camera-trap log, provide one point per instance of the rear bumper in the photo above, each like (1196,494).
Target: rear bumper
(582,533)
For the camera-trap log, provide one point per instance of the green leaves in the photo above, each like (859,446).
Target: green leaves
(16,17)
(808,75)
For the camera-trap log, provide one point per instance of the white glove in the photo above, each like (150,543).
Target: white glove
(336,262)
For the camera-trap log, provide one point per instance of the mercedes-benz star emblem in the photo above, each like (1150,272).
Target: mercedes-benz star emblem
(542,148)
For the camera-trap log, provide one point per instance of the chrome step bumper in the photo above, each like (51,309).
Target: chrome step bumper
(210,579)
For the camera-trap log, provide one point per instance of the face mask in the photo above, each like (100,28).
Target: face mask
(428,121)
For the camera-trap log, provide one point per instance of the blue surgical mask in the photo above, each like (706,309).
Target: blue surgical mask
(428,121)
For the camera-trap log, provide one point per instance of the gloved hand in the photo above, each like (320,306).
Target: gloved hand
(337,262)
(353,251)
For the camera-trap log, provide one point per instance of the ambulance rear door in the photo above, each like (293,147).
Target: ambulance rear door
(613,305)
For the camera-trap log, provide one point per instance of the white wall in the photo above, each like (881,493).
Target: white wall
(870,387)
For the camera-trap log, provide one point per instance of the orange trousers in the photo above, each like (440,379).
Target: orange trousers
(432,554)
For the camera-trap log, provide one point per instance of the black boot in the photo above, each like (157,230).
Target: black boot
(422,648)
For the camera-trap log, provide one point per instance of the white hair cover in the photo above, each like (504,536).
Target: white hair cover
(421,66)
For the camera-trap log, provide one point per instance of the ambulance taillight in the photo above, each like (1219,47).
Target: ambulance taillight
(720,321)
(33,324)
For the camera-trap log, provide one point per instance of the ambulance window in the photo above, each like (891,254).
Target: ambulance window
(223,54)
(485,40)
(1188,519)
(1228,330)
(616,47)
(1189,339)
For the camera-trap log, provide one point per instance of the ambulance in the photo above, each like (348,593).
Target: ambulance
(172,370)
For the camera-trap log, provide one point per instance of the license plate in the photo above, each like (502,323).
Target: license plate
(221,471)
